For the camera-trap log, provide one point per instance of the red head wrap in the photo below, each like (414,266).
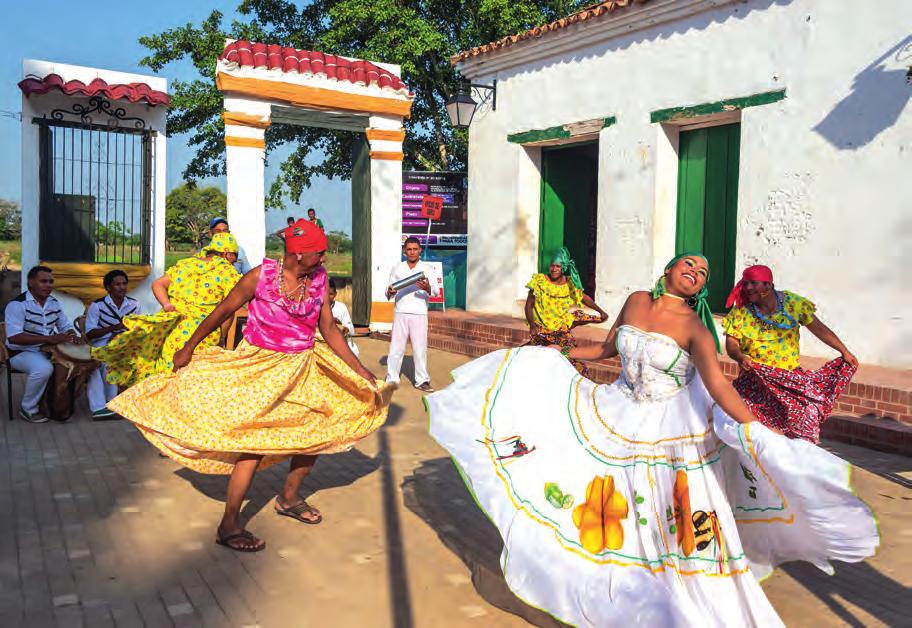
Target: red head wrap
(304,237)
(751,273)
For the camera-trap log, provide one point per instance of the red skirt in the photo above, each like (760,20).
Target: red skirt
(795,402)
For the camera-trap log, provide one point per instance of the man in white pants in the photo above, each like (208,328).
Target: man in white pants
(103,321)
(410,317)
(35,318)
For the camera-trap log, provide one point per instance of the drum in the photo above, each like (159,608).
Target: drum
(72,366)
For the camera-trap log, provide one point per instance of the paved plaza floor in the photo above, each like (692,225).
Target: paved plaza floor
(97,530)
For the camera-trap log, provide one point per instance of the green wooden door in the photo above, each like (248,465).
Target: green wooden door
(568,207)
(708,202)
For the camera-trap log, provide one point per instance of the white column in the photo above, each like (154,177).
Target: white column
(385,136)
(246,174)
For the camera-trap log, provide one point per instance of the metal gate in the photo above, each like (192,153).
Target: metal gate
(95,185)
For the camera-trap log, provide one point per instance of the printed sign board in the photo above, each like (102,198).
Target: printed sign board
(432,207)
(452,222)
(438,278)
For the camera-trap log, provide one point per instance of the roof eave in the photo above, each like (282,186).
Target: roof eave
(581,35)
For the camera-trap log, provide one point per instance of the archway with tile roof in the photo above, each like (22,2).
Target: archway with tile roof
(267,83)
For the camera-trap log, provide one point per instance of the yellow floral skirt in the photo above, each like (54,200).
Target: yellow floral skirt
(257,401)
(148,346)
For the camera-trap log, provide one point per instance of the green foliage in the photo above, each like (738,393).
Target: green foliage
(419,35)
(10,220)
(188,210)
(338,242)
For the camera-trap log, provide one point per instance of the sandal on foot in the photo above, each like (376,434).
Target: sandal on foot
(299,509)
(230,541)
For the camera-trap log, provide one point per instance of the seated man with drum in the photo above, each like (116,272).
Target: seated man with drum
(35,319)
(104,320)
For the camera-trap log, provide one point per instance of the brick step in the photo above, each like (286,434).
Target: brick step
(874,412)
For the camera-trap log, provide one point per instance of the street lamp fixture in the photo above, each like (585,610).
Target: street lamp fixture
(461,107)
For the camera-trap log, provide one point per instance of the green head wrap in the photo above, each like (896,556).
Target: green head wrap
(697,302)
(568,266)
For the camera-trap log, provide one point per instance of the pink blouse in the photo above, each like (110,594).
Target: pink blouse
(278,324)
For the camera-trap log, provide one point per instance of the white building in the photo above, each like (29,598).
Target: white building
(93,178)
(760,131)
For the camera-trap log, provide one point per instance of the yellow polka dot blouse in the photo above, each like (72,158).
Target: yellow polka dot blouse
(767,344)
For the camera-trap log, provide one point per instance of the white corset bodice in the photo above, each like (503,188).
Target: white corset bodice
(653,366)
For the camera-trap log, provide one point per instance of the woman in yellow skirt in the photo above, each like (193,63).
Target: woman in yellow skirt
(278,395)
(187,292)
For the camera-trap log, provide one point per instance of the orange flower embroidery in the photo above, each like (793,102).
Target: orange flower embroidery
(599,517)
(682,515)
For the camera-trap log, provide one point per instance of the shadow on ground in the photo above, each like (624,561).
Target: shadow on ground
(859,584)
(330,472)
(431,492)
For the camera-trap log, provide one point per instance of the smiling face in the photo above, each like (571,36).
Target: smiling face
(756,291)
(687,276)
(555,271)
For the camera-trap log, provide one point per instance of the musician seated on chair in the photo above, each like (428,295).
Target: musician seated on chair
(104,320)
(33,319)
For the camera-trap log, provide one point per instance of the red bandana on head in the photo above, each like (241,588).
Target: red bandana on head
(751,273)
(304,237)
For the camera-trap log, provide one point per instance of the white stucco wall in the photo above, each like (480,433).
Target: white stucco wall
(823,195)
(39,105)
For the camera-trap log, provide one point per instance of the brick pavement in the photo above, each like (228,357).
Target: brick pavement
(97,530)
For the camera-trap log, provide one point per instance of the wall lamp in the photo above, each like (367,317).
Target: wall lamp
(461,107)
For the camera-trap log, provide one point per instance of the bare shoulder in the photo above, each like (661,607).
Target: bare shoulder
(697,333)
(639,298)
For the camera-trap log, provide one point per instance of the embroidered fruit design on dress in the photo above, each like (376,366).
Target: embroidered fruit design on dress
(599,517)
(684,529)
(556,497)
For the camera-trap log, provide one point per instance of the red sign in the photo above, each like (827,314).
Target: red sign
(431,207)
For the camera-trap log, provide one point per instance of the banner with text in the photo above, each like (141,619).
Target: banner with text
(452,227)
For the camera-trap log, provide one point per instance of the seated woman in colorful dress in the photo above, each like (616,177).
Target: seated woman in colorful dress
(277,396)
(657,500)
(188,292)
(552,307)
(762,336)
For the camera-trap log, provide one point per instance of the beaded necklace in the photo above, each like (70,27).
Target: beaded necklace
(289,296)
(790,323)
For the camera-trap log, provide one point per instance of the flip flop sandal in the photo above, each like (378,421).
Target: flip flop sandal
(297,510)
(225,541)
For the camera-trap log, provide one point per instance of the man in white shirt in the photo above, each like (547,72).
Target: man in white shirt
(342,318)
(104,320)
(35,318)
(219,225)
(410,315)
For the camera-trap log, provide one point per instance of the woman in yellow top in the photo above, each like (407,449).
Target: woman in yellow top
(762,336)
(187,292)
(552,306)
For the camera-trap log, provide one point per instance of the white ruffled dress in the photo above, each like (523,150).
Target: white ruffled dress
(640,502)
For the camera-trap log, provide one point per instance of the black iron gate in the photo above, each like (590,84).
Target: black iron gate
(95,185)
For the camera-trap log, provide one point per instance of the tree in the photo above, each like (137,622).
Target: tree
(10,220)
(338,242)
(188,211)
(419,35)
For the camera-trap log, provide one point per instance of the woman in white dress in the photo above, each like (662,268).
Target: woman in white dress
(654,501)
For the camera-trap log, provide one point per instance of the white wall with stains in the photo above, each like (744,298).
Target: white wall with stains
(824,174)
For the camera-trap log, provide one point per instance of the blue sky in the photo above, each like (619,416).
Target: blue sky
(107,37)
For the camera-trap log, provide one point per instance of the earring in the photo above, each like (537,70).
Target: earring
(692,302)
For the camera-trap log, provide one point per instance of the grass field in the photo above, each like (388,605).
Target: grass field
(338,265)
